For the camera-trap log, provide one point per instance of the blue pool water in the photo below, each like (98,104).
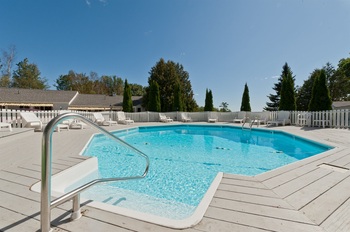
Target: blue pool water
(184,161)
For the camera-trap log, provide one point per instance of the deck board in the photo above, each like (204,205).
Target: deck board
(312,191)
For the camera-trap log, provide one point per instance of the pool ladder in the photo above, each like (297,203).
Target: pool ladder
(251,123)
(46,158)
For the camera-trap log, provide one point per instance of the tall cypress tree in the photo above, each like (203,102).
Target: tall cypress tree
(154,97)
(178,100)
(245,105)
(320,99)
(127,101)
(209,106)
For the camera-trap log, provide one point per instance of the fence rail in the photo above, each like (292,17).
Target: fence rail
(332,118)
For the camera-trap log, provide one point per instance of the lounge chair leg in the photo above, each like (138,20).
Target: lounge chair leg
(76,214)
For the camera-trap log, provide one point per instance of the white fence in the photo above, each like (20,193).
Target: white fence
(333,118)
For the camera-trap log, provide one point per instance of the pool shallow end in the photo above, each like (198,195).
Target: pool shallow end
(62,180)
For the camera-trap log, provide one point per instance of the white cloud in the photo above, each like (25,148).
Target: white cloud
(105,2)
(88,2)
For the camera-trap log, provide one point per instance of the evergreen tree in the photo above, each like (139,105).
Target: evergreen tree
(304,94)
(154,97)
(287,101)
(27,76)
(339,81)
(209,106)
(167,75)
(275,98)
(320,99)
(178,101)
(127,101)
(245,105)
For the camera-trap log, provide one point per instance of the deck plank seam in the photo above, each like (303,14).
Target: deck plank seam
(17,174)
(272,197)
(241,224)
(254,203)
(296,177)
(29,169)
(297,190)
(322,193)
(261,215)
(344,179)
(330,214)
(245,186)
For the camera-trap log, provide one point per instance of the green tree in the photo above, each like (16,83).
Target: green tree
(189,104)
(167,74)
(224,107)
(320,99)
(274,103)
(178,98)
(137,90)
(127,101)
(76,82)
(304,93)
(209,106)
(8,57)
(339,82)
(154,97)
(287,100)
(245,105)
(27,76)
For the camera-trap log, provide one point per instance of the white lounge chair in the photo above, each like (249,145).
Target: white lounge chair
(29,119)
(5,125)
(164,118)
(185,118)
(122,119)
(241,118)
(100,120)
(212,118)
(282,118)
(73,123)
(262,118)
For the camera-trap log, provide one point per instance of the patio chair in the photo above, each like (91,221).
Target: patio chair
(212,117)
(262,118)
(5,125)
(240,118)
(163,118)
(30,120)
(73,123)
(100,120)
(282,118)
(122,119)
(185,118)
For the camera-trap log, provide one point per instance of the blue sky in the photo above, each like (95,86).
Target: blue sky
(223,44)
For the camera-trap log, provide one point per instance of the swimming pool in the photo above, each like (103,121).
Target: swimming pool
(185,159)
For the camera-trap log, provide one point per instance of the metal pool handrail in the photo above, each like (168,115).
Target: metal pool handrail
(46,158)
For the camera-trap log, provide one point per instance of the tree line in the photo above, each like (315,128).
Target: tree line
(323,86)
(27,75)
(169,86)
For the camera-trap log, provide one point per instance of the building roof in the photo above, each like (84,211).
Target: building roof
(71,99)
(96,101)
(341,105)
(16,96)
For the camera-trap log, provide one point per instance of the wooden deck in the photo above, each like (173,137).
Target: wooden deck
(298,197)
